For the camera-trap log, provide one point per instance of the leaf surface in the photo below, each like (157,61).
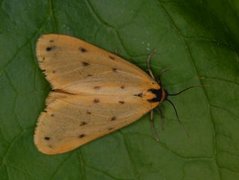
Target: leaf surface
(197,41)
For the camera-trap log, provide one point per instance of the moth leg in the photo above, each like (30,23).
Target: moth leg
(180,122)
(154,131)
(161,73)
(149,69)
(161,117)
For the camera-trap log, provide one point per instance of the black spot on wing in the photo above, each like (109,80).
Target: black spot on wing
(50,146)
(121,102)
(47,138)
(122,87)
(83,123)
(110,129)
(96,100)
(81,136)
(114,69)
(113,118)
(112,57)
(139,95)
(50,48)
(97,87)
(83,50)
(85,63)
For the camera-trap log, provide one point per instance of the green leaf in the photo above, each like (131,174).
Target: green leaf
(196,41)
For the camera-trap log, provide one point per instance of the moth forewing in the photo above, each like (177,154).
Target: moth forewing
(94,93)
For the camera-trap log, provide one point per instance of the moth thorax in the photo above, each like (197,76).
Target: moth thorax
(157,95)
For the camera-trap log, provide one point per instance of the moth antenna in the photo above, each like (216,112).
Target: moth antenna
(175,94)
(175,110)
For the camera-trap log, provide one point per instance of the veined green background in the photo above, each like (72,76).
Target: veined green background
(197,40)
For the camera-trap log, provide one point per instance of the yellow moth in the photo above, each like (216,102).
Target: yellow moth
(94,93)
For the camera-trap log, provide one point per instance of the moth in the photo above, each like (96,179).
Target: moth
(94,93)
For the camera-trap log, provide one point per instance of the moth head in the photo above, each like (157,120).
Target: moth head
(159,95)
